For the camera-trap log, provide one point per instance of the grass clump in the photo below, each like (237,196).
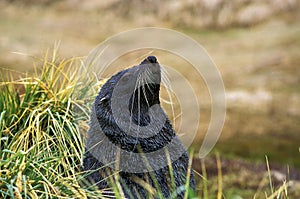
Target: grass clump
(40,121)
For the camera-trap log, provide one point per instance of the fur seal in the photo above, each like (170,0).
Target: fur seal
(127,117)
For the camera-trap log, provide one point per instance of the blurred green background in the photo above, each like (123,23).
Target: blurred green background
(255,44)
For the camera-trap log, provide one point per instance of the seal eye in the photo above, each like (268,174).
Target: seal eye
(104,99)
(125,78)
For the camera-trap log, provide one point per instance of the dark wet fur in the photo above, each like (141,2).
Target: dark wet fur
(143,98)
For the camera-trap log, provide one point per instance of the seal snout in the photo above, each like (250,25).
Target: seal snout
(151,69)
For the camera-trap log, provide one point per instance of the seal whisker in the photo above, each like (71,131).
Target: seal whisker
(139,106)
(148,86)
(136,86)
(166,83)
(165,76)
(144,92)
(136,89)
(150,76)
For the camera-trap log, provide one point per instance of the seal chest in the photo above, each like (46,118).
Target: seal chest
(130,134)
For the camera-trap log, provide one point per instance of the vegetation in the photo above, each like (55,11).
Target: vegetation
(42,123)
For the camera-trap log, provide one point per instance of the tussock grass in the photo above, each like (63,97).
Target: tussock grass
(41,118)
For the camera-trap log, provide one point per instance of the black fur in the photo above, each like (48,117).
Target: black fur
(141,100)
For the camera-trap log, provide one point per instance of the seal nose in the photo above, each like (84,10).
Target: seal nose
(150,59)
